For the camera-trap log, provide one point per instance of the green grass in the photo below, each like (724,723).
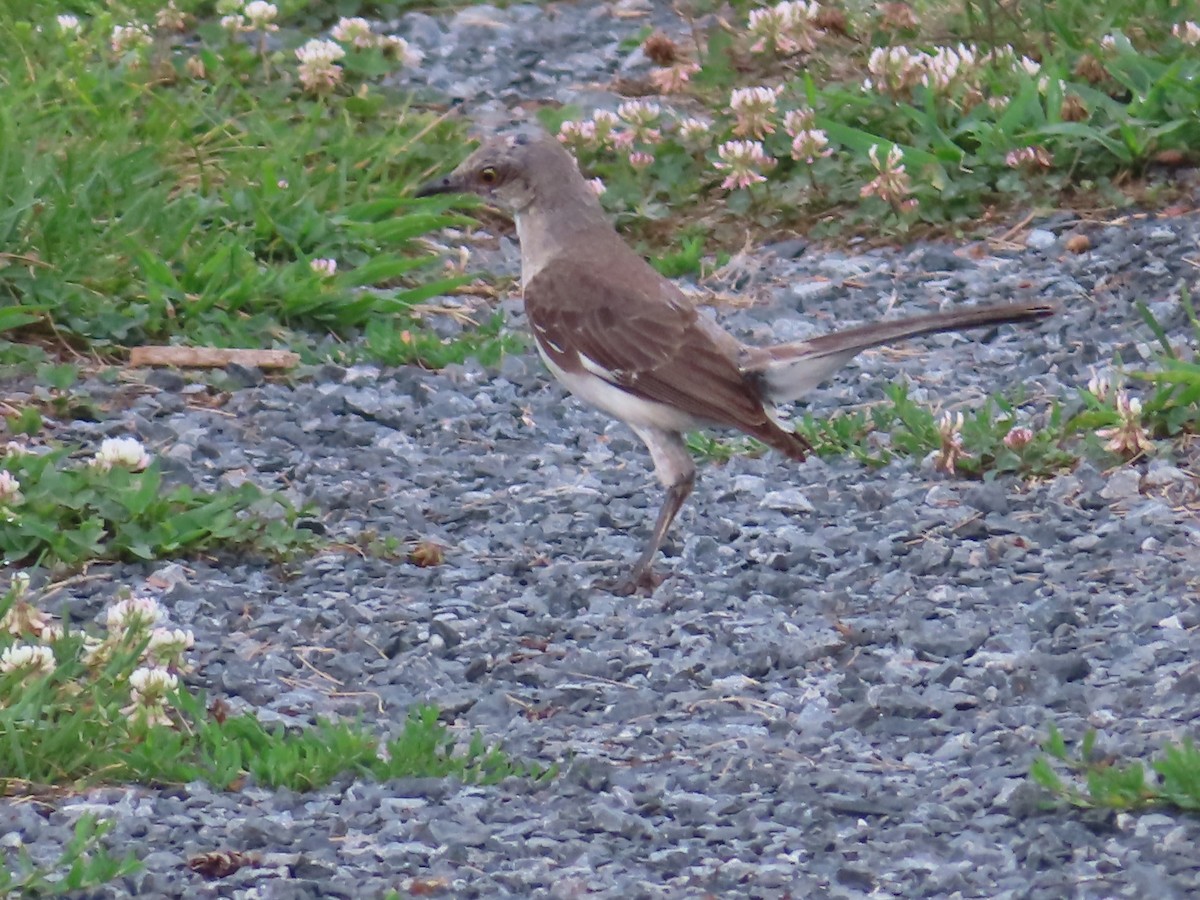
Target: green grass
(69,513)
(386,342)
(141,203)
(76,717)
(87,744)
(1109,93)
(84,863)
(1094,781)
(900,428)
(68,730)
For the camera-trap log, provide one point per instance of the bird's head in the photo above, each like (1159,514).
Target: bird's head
(512,171)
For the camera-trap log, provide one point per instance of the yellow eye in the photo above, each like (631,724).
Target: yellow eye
(488,175)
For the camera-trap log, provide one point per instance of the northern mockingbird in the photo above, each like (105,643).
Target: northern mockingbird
(625,339)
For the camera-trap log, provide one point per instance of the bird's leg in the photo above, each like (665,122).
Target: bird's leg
(674,468)
(642,576)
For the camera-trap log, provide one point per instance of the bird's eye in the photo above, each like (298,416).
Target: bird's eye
(488,175)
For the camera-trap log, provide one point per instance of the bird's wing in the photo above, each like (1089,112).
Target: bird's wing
(640,333)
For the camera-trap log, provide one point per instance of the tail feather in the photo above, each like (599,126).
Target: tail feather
(786,372)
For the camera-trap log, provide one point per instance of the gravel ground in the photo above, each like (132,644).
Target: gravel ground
(837,692)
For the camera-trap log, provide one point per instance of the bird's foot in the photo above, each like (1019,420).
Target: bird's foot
(639,581)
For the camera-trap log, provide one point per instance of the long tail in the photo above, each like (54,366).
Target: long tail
(788,371)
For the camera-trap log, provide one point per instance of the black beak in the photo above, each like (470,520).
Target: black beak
(437,186)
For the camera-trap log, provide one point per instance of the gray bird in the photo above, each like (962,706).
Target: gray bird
(623,338)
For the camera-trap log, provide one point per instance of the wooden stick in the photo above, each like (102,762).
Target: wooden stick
(211,357)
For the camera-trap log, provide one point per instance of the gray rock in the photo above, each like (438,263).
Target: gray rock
(1040,239)
(1123,484)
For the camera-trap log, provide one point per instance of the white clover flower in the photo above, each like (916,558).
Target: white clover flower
(605,120)
(1187,32)
(1029,66)
(892,184)
(641,115)
(950,424)
(896,70)
(797,120)
(10,489)
(1128,437)
(320,51)
(148,689)
(950,429)
(129,37)
(674,79)
(798,10)
(24,618)
(810,144)
(1099,385)
(605,123)
(597,186)
(753,108)
(1018,437)
(577,135)
(152,681)
(894,157)
(29,658)
(784,28)
(623,140)
(169,644)
(96,653)
(171,18)
(768,28)
(19,586)
(1029,158)
(234,23)
(134,614)
(355,31)
(639,159)
(262,15)
(126,452)
(326,268)
(947,65)
(402,51)
(639,112)
(319,71)
(744,161)
(693,130)
(68,24)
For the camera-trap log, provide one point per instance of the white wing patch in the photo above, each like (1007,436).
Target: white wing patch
(601,392)
(598,370)
(543,337)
